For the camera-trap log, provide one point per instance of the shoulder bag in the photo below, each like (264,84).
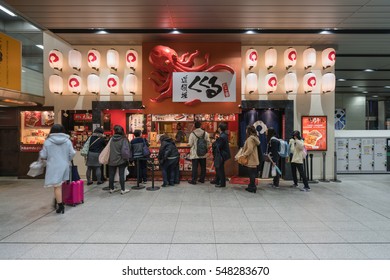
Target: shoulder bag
(104,156)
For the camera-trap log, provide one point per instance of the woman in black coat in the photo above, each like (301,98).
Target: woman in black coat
(273,151)
(168,157)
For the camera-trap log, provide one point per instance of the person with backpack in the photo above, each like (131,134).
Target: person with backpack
(297,150)
(199,141)
(221,153)
(168,157)
(273,148)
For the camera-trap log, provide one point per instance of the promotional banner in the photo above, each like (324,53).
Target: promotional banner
(10,63)
(314,131)
(204,86)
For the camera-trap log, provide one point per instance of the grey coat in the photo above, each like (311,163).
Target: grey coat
(58,152)
(116,150)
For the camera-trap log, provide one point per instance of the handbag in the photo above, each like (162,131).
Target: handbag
(75,176)
(104,156)
(145,150)
(84,151)
(243,160)
(266,169)
(36,168)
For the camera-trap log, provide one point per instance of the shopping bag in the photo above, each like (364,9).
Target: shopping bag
(266,169)
(75,176)
(85,149)
(105,154)
(36,168)
(273,171)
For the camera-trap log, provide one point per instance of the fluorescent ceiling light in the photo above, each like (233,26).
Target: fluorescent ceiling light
(7,11)
(354,86)
(387,86)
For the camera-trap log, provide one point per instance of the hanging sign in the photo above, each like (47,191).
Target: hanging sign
(204,86)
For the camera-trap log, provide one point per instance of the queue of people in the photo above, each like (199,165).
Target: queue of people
(58,152)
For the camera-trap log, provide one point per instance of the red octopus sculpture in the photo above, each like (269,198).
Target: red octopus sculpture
(166,61)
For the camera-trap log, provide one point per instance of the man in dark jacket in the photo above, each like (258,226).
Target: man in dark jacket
(221,154)
(137,145)
(168,156)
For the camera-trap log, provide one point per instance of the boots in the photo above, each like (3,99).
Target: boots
(61,208)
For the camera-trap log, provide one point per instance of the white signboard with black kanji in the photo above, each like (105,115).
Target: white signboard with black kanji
(204,86)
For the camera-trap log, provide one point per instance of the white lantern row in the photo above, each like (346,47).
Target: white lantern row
(56,84)
(291,84)
(93,59)
(290,58)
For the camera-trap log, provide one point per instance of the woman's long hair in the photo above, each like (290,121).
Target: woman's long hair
(118,130)
(270,133)
(57,128)
(250,130)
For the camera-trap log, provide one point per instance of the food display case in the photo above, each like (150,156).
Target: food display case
(79,126)
(35,126)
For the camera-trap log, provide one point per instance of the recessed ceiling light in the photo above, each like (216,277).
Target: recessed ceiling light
(175,31)
(375,96)
(326,32)
(5,10)
(354,86)
(100,32)
(365,91)
(250,32)
(341,80)
(369,70)
(387,86)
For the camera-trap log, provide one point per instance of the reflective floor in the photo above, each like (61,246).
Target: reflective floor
(348,220)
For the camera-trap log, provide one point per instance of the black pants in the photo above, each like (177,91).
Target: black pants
(220,177)
(299,166)
(142,170)
(195,163)
(112,171)
(252,177)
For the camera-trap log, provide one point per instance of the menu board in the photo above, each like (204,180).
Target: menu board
(314,131)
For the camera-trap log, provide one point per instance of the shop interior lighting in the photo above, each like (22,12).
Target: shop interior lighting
(5,10)
(309,58)
(251,58)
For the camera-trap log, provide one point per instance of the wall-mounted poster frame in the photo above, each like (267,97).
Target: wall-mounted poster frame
(315,132)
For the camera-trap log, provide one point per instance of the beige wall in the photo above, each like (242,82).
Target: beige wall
(315,103)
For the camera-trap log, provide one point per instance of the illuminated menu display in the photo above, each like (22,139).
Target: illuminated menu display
(314,131)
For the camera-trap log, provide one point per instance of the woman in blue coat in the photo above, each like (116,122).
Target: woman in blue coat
(58,152)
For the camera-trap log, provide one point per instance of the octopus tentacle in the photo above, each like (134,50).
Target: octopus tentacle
(164,95)
(183,57)
(199,68)
(218,67)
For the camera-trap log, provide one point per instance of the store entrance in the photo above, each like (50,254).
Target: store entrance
(278,114)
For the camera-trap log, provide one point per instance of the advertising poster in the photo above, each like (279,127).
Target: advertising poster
(315,133)
(10,63)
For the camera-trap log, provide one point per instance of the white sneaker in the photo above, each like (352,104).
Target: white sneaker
(114,190)
(125,191)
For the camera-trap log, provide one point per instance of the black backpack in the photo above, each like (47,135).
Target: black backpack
(201,145)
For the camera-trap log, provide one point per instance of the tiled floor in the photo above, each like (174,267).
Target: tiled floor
(347,220)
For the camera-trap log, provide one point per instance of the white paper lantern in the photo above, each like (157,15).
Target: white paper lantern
(328,82)
(309,82)
(131,82)
(271,58)
(271,82)
(56,59)
(113,59)
(328,57)
(290,57)
(56,84)
(93,83)
(113,83)
(251,58)
(251,83)
(74,59)
(74,84)
(131,59)
(309,58)
(94,59)
(291,82)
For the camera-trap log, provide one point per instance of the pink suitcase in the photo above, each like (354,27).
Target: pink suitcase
(73,192)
